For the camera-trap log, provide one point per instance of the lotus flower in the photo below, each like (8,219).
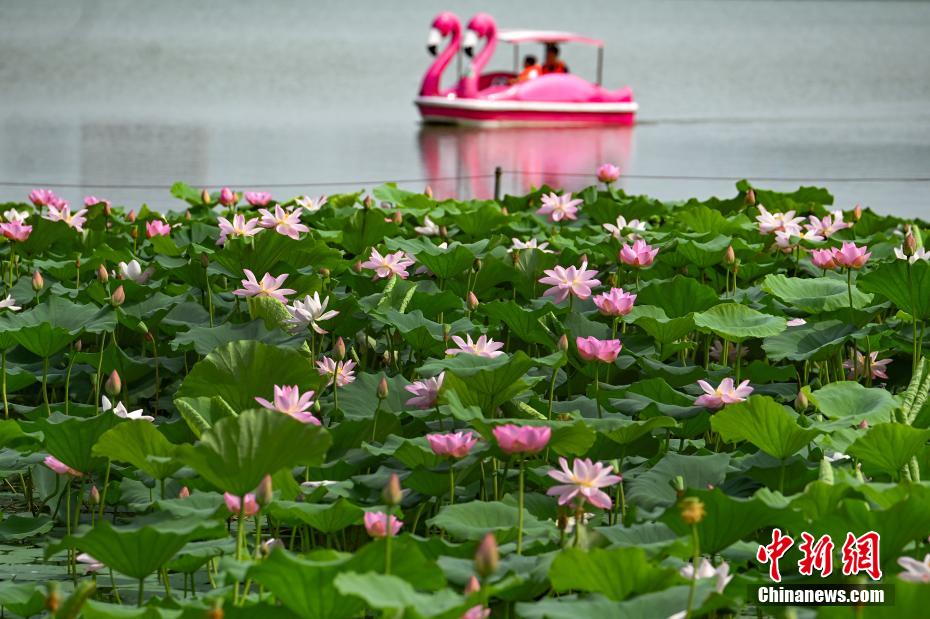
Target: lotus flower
(608,173)
(919,254)
(14,215)
(706,570)
(425,391)
(785,239)
(531,244)
(257,198)
(615,302)
(452,445)
(877,367)
(617,231)
(234,504)
(796,322)
(157,227)
(571,281)
(593,349)
(914,570)
(90,564)
(289,400)
(584,482)
(90,201)
(60,467)
(477,612)
(557,208)
(133,270)
(121,412)
(823,259)
(376,524)
(429,227)
(850,256)
(309,312)
(639,255)
(63,213)
(287,224)
(523,440)
(725,393)
(228,197)
(482,347)
(43,197)
(773,222)
(388,264)
(828,225)
(269,286)
(238,228)
(15,230)
(9,303)
(344,371)
(311,205)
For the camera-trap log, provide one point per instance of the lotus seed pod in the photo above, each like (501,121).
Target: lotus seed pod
(392,493)
(339,350)
(38,283)
(114,384)
(265,491)
(487,557)
(692,510)
(383,388)
(826,471)
(472,301)
(118,297)
(102,275)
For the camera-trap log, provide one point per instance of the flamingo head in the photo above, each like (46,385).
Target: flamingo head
(443,25)
(481,26)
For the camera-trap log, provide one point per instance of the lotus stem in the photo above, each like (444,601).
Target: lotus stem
(106,484)
(99,379)
(739,359)
(694,564)
(141,591)
(6,404)
(387,541)
(520,508)
(597,389)
(451,483)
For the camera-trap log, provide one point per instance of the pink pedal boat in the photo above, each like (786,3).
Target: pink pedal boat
(498,99)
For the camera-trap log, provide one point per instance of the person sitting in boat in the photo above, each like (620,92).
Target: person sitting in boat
(530,70)
(553,63)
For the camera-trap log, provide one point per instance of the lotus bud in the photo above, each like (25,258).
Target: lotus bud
(731,255)
(94,495)
(826,471)
(78,345)
(800,402)
(392,494)
(858,473)
(398,217)
(205,197)
(131,216)
(472,301)
(428,191)
(487,557)
(114,384)
(864,424)
(386,358)
(750,197)
(38,283)
(505,211)
(184,493)
(446,332)
(612,280)
(566,417)
(368,202)
(107,209)
(385,205)
(857,212)
(216,612)
(477,265)
(339,350)
(515,257)
(563,343)
(357,267)
(102,275)
(325,273)
(271,544)
(383,388)
(187,215)
(77,262)
(710,486)
(473,586)
(204,260)
(692,510)
(134,233)
(265,492)
(118,297)
(910,244)
(52,598)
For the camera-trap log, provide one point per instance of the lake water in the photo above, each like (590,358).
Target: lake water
(318,95)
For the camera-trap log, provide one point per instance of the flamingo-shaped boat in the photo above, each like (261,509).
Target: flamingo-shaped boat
(500,98)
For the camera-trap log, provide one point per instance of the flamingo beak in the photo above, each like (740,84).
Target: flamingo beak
(432,49)
(433,40)
(468,45)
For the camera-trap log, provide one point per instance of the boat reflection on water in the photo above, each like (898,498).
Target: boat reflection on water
(460,161)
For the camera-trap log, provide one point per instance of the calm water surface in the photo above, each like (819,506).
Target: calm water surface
(107,92)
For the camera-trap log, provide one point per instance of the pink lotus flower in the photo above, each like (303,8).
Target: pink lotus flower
(785,239)
(234,504)
(90,564)
(157,227)
(425,391)
(640,254)
(823,259)
(877,367)
(94,201)
(43,197)
(269,286)
(619,230)
(257,198)
(309,312)
(60,467)
(238,228)
(311,205)
(828,225)
(376,523)
(591,349)
(524,440)
(531,244)
(773,222)
(615,302)
(63,213)
(558,207)
(343,371)
(15,230)
(608,173)
(388,264)
(289,400)
(914,570)
(482,347)
(584,482)
(725,393)
(228,197)
(796,322)
(850,256)
(477,612)
(283,222)
(452,445)
(571,281)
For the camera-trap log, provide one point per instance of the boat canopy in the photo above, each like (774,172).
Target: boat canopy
(516,37)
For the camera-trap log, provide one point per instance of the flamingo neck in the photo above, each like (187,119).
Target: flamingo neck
(431,80)
(469,86)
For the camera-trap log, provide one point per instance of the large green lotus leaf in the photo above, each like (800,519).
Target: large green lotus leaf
(648,535)
(659,604)
(851,402)
(137,551)
(385,593)
(626,431)
(409,561)
(72,439)
(889,446)
(24,598)
(366,228)
(479,218)
(526,324)
(704,254)
(701,218)
(678,296)
(202,412)
(765,423)
(657,324)
(140,444)
(50,326)
(324,517)
(359,400)
(236,453)
(115,358)
(197,506)
(653,488)
(813,341)
(240,371)
(472,521)
(20,526)
(617,573)
(907,286)
(487,385)
(820,294)
(11,432)
(420,332)
(737,322)
(196,554)
(205,340)
(260,254)
(305,586)
(444,263)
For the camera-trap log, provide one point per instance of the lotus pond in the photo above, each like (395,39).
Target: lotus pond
(543,406)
